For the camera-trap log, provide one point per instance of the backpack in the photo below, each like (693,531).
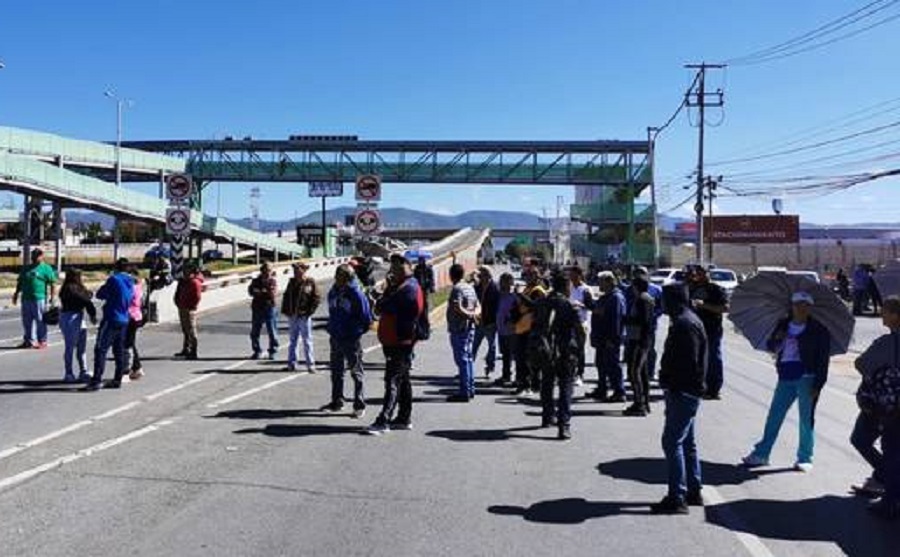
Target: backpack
(879,393)
(550,344)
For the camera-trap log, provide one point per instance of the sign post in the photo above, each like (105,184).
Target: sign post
(325,190)
(368,221)
(179,190)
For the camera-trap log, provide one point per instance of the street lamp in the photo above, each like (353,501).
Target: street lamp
(120,105)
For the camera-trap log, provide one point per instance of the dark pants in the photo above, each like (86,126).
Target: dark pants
(581,338)
(523,366)
(860,301)
(507,347)
(269,318)
(652,357)
(349,352)
(110,334)
(486,333)
(609,372)
(638,374)
(397,386)
(865,433)
(562,374)
(679,444)
(715,374)
(131,344)
(890,445)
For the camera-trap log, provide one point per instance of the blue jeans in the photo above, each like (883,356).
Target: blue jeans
(609,371)
(347,353)
(680,445)
(75,337)
(461,343)
(715,375)
(110,334)
(786,392)
(301,328)
(269,318)
(33,318)
(866,432)
(488,332)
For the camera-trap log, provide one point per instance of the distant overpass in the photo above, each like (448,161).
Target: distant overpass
(432,234)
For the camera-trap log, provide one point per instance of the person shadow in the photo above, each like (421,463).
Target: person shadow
(843,521)
(654,471)
(572,510)
(303,430)
(487,435)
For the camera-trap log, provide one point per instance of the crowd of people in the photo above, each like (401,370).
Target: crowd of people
(541,330)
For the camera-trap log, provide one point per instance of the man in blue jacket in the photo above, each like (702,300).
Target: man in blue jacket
(349,317)
(606,337)
(116,294)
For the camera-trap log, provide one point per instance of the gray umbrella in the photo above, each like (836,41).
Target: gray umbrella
(759,303)
(887,279)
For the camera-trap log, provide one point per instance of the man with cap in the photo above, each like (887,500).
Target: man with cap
(802,348)
(300,300)
(400,308)
(188,294)
(33,285)
(349,318)
(655,292)
(263,289)
(710,302)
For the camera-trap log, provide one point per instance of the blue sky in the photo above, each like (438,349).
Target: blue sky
(467,69)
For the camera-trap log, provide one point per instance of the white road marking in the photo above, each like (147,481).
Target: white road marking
(252,391)
(78,455)
(751,542)
(8,452)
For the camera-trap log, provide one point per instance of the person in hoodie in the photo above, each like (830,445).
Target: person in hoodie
(400,309)
(488,294)
(187,299)
(884,484)
(75,300)
(639,326)
(137,318)
(802,347)
(349,317)
(116,293)
(682,375)
(608,313)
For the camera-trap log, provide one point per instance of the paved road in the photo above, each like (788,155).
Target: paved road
(228,457)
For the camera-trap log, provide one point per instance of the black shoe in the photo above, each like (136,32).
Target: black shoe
(694,499)
(519,390)
(712,396)
(333,407)
(635,410)
(499,382)
(888,510)
(92,386)
(182,354)
(458,398)
(548,422)
(191,356)
(564,433)
(113,384)
(403,425)
(669,505)
(597,394)
(616,398)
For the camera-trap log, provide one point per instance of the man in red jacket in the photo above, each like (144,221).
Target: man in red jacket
(187,300)
(399,309)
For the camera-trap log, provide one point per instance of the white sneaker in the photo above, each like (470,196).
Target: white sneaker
(803,466)
(136,374)
(754,461)
(579,382)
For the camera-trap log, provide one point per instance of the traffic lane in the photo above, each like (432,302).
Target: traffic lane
(274,475)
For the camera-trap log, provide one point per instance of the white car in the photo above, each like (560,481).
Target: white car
(726,278)
(667,275)
(811,275)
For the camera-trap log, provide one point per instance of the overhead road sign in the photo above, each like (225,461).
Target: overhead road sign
(368,221)
(752,229)
(368,188)
(179,188)
(178,221)
(326,189)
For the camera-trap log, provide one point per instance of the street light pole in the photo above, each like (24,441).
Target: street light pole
(120,105)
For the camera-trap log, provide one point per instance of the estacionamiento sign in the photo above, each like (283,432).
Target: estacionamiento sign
(752,229)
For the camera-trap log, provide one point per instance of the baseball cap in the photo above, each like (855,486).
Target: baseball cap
(802,298)
(301,265)
(399,257)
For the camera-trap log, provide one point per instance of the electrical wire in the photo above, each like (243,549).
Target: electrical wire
(678,110)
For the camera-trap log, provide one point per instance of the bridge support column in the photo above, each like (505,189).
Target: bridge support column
(234,252)
(59,232)
(256,249)
(276,256)
(26,231)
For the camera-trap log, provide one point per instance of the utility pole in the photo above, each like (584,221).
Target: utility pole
(651,143)
(712,184)
(698,97)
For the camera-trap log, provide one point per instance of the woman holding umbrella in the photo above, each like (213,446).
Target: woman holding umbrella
(802,347)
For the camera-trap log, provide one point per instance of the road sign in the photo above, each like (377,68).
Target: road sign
(178,221)
(368,221)
(179,188)
(326,189)
(368,188)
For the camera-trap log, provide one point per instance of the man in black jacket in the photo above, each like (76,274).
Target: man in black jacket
(683,376)
(486,329)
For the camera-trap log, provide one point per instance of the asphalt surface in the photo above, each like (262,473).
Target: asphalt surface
(229,457)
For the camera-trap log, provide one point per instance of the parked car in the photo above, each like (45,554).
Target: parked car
(726,278)
(212,255)
(666,275)
(811,275)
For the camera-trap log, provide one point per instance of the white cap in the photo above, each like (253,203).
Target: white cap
(802,297)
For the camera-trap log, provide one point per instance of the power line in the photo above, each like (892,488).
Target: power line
(790,47)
